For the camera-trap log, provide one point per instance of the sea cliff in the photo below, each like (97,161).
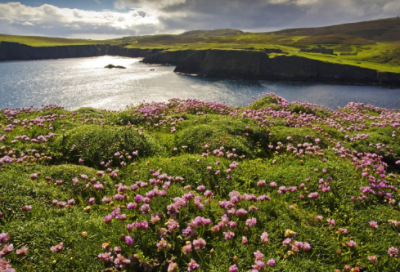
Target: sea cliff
(262,66)
(241,64)
(16,51)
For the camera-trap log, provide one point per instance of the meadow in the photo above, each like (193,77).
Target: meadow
(200,186)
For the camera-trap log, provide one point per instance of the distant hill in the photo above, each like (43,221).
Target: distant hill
(377,30)
(212,33)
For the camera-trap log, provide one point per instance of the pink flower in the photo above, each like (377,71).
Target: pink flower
(22,251)
(351,244)
(264,238)
(57,248)
(241,213)
(233,268)
(4,238)
(251,222)
(258,255)
(244,240)
(271,263)
(373,224)
(193,265)
(145,209)
(199,244)
(372,259)
(172,267)
(393,252)
(129,240)
(229,235)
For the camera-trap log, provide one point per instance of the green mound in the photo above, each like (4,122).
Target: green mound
(94,144)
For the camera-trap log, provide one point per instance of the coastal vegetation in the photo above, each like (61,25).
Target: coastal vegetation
(200,186)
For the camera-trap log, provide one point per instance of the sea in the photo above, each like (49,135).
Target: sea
(84,82)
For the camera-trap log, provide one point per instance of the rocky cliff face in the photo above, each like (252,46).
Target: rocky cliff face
(259,65)
(168,57)
(16,51)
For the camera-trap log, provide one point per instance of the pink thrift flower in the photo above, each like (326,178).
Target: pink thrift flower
(271,263)
(264,238)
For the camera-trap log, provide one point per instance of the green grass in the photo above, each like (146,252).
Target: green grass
(38,41)
(96,136)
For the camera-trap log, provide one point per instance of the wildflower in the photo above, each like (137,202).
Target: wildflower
(187,248)
(241,213)
(319,217)
(351,244)
(131,206)
(107,219)
(21,251)
(331,222)
(264,238)
(373,224)
(172,267)
(229,235)
(259,265)
(6,250)
(244,240)
(120,261)
(199,244)
(271,263)
(26,208)
(4,238)
(129,240)
(106,257)
(145,209)
(233,268)
(313,195)
(393,252)
(251,222)
(91,201)
(258,255)
(372,259)
(193,265)
(57,248)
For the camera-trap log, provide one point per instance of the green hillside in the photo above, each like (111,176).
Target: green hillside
(372,44)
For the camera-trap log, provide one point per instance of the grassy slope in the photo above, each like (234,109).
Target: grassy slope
(38,41)
(81,135)
(377,43)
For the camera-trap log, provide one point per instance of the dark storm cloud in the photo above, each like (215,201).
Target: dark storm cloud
(263,14)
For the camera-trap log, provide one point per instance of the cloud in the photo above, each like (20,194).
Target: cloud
(259,15)
(139,17)
(69,22)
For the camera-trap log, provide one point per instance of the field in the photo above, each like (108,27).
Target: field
(372,44)
(190,185)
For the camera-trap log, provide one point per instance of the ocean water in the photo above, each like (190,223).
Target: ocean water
(84,82)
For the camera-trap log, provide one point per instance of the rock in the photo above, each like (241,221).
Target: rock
(111,66)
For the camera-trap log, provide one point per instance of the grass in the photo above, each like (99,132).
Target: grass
(303,147)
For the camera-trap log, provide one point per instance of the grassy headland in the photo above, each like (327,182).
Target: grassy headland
(288,184)
(373,44)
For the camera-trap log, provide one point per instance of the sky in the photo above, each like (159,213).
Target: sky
(105,19)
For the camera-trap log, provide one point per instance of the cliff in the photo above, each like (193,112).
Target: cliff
(17,51)
(258,65)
